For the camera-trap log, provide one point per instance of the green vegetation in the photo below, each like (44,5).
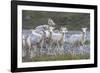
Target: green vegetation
(73,21)
(58,57)
(87,42)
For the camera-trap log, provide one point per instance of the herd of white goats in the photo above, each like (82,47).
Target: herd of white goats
(46,36)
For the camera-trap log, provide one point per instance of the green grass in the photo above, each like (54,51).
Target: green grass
(58,58)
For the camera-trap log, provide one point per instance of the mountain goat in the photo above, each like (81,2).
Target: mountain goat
(77,40)
(34,40)
(58,39)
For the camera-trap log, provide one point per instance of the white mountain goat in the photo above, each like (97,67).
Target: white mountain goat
(77,40)
(46,33)
(35,40)
(58,39)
